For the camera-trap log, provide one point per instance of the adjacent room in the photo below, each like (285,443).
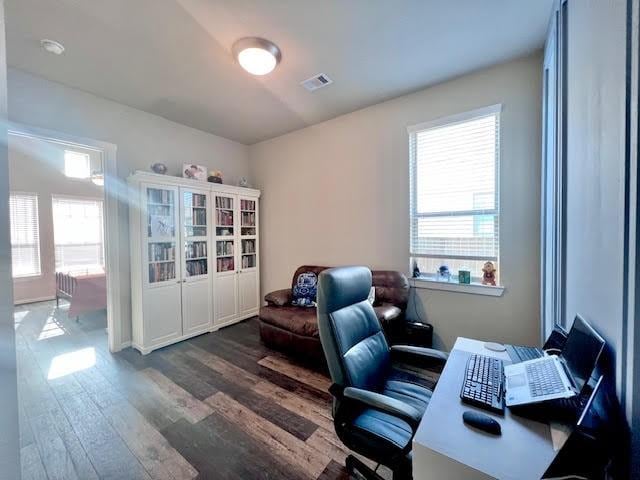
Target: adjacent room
(277,239)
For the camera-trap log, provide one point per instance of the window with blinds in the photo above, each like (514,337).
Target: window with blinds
(25,236)
(78,233)
(455,212)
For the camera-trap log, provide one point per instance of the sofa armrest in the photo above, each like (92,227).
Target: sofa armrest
(420,356)
(279,297)
(386,404)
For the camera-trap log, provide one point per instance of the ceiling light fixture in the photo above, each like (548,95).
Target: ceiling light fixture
(256,55)
(52,46)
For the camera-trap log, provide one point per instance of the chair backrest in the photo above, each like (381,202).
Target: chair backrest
(352,339)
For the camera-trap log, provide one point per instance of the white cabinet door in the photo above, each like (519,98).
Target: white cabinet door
(162,314)
(196,307)
(226,297)
(248,291)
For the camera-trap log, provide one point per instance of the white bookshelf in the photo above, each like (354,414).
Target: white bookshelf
(194,257)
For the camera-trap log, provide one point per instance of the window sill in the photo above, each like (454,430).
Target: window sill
(26,278)
(472,288)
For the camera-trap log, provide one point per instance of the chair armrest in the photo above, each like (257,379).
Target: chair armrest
(386,404)
(425,356)
(279,297)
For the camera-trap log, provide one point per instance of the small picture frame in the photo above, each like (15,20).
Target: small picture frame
(195,172)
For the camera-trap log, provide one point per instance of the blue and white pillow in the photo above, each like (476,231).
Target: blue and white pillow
(305,290)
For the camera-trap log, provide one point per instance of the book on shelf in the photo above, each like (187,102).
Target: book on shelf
(249,205)
(225,264)
(224,248)
(199,217)
(224,217)
(199,200)
(196,250)
(159,252)
(248,219)
(161,272)
(248,246)
(248,261)
(197,267)
(224,202)
(156,195)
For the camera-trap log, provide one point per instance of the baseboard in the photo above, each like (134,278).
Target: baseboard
(34,300)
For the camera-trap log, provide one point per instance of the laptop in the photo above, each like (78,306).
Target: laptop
(552,377)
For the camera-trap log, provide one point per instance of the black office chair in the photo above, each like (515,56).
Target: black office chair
(377,408)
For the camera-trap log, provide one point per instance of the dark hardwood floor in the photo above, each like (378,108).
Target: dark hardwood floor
(218,406)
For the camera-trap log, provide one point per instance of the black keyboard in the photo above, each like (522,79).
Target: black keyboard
(483,383)
(520,353)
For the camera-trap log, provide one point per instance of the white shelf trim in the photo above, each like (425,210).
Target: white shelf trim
(472,288)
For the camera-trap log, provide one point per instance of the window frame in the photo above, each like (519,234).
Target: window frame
(430,280)
(27,277)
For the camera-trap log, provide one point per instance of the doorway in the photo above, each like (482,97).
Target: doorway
(64,234)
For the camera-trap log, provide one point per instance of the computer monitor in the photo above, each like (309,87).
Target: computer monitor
(582,351)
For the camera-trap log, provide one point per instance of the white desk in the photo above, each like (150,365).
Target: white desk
(444,448)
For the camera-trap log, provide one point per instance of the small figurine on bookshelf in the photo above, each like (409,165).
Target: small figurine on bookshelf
(215,176)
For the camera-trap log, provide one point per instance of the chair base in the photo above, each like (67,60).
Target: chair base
(359,471)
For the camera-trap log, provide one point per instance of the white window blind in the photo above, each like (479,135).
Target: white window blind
(454,207)
(25,237)
(78,233)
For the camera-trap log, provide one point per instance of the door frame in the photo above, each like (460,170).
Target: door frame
(112,191)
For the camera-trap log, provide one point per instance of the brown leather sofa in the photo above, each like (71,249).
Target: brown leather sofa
(294,329)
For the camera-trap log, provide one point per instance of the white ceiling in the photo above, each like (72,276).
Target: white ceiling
(172,57)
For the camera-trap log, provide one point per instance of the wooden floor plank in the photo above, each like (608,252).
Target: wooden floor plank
(290,448)
(291,369)
(219,449)
(334,471)
(107,451)
(193,381)
(31,463)
(191,408)
(238,388)
(53,452)
(320,415)
(153,451)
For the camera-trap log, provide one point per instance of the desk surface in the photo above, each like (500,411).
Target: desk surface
(444,447)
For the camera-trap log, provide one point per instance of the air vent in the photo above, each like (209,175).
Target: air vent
(316,82)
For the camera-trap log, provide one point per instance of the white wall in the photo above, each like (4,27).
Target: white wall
(9,439)
(141,139)
(338,193)
(37,166)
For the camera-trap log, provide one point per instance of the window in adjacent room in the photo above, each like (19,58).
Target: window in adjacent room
(25,236)
(454,205)
(78,233)
(77,164)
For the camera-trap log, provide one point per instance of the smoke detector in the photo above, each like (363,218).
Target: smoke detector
(317,81)
(52,46)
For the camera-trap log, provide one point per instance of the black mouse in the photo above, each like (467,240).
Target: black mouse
(481,422)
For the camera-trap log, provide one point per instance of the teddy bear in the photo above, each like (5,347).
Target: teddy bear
(489,274)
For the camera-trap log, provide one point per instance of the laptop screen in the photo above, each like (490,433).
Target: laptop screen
(581,351)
